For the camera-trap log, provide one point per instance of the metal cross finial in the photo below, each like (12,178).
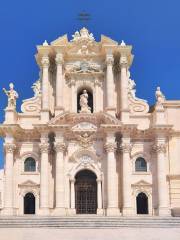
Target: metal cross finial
(84,17)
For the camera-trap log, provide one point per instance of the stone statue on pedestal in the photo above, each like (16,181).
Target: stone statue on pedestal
(12,96)
(159,96)
(84,103)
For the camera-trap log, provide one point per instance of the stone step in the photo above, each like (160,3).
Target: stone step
(88,222)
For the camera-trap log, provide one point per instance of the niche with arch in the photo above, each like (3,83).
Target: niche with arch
(90,98)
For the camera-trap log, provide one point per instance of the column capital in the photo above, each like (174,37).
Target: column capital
(159,147)
(72,180)
(45,61)
(123,61)
(109,59)
(60,146)
(44,147)
(110,147)
(59,59)
(126,147)
(9,147)
(98,180)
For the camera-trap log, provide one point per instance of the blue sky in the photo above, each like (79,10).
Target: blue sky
(152,27)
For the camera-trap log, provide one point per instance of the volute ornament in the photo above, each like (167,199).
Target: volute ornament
(137,105)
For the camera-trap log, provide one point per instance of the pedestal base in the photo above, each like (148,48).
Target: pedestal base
(127,211)
(100,212)
(71,211)
(44,116)
(163,211)
(125,116)
(59,212)
(44,211)
(111,111)
(10,116)
(113,212)
(8,211)
(59,110)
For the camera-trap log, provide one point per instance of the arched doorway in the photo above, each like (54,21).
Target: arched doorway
(142,203)
(90,100)
(29,203)
(86,192)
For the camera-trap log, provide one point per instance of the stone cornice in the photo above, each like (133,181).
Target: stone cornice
(173,177)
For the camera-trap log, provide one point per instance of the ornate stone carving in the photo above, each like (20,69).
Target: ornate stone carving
(37,87)
(84,126)
(60,146)
(83,67)
(125,147)
(83,43)
(59,59)
(110,147)
(45,61)
(44,147)
(12,96)
(83,36)
(123,61)
(9,147)
(136,104)
(160,98)
(159,147)
(109,60)
(33,105)
(85,140)
(86,160)
(84,103)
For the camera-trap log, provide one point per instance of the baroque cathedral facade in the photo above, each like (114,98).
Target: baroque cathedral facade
(85,143)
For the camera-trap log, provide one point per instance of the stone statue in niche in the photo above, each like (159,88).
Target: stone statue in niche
(12,96)
(159,96)
(84,102)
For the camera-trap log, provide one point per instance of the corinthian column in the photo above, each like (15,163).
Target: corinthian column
(124,89)
(112,181)
(110,83)
(45,88)
(8,194)
(59,84)
(59,181)
(160,148)
(44,180)
(127,191)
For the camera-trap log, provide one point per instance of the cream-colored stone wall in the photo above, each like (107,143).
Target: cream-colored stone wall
(107,141)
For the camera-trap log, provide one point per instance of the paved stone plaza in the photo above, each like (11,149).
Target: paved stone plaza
(90,234)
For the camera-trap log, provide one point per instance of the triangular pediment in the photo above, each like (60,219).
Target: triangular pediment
(107,41)
(63,40)
(28,183)
(141,183)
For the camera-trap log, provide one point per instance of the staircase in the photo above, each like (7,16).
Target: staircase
(88,222)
